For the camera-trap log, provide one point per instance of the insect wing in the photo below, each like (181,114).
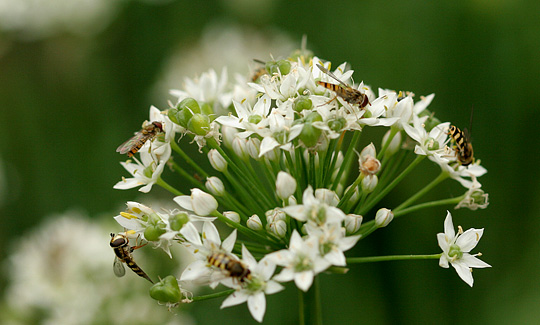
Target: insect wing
(118,267)
(129,144)
(323,69)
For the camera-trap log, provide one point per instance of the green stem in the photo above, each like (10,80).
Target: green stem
(247,231)
(187,176)
(442,176)
(213,295)
(168,187)
(371,203)
(358,260)
(404,211)
(350,191)
(393,132)
(188,159)
(310,310)
(347,159)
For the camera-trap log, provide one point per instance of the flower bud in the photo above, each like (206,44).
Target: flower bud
(394,145)
(310,134)
(278,228)
(215,186)
(199,124)
(254,223)
(232,215)
(383,217)
(327,196)
(274,215)
(166,290)
(369,182)
(355,196)
(352,223)
(302,103)
(239,148)
(177,221)
(369,165)
(189,104)
(207,110)
(203,203)
(285,185)
(152,232)
(253,146)
(228,133)
(217,161)
(292,200)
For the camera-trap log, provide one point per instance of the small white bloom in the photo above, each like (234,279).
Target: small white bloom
(285,185)
(383,217)
(475,198)
(144,173)
(255,289)
(313,210)
(199,202)
(332,242)
(456,248)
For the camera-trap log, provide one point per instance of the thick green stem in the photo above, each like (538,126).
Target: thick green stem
(358,260)
(310,310)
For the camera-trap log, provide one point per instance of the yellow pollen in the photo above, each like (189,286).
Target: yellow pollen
(128,215)
(130,232)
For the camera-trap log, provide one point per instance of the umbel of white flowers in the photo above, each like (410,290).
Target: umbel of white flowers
(287,174)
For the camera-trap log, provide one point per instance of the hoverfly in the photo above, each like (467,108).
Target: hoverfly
(259,71)
(148,132)
(122,250)
(348,93)
(230,266)
(464,149)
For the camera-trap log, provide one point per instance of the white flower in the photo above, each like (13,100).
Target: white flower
(456,248)
(474,198)
(146,172)
(313,210)
(199,270)
(332,242)
(430,144)
(301,262)
(199,202)
(256,288)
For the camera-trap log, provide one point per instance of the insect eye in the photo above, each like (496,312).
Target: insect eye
(118,242)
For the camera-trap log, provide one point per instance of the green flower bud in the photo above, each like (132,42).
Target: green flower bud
(271,67)
(166,290)
(207,109)
(172,114)
(152,232)
(337,124)
(302,103)
(178,221)
(199,124)
(190,104)
(254,119)
(284,66)
(183,116)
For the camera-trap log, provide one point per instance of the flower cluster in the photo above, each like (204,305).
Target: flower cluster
(289,175)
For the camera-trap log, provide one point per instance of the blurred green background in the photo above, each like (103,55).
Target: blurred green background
(70,95)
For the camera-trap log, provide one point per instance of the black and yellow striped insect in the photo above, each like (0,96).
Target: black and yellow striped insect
(122,250)
(148,132)
(348,93)
(464,149)
(230,266)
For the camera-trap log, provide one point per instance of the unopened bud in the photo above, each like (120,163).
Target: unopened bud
(215,186)
(228,133)
(217,161)
(394,145)
(232,215)
(383,217)
(202,202)
(285,185)
(254,223)
(352,223)
(239,148)
(278,228)
(327,196)
(253,146)
(166,290)
(369,182)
